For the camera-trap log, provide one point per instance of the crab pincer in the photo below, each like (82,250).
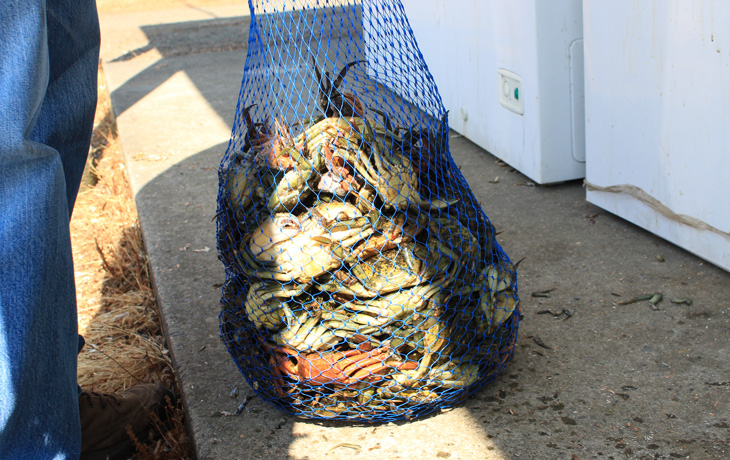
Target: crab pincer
(331,99)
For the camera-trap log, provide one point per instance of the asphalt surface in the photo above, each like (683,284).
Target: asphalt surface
(592,377)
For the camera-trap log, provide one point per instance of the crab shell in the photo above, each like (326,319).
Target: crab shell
(398,182)
(239,175)
(498,301)
(294,186)
(300,249)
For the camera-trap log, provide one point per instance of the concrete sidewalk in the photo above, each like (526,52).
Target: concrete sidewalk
(591,378)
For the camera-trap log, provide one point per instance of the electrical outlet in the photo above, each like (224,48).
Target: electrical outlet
(509,88)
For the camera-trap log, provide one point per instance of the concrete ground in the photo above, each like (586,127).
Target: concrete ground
(591,378)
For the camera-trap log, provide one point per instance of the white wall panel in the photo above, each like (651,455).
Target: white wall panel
(657,88)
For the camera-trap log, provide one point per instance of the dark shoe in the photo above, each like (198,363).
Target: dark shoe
(105,418)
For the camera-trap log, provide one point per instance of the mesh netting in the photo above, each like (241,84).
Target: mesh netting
(363,281)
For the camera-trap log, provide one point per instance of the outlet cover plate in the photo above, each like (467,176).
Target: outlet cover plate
(509,89)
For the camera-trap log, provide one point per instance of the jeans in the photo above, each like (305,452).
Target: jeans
(49,56)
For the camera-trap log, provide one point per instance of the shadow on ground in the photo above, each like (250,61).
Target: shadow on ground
(181,40)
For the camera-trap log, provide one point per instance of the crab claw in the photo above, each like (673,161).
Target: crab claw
(331,100)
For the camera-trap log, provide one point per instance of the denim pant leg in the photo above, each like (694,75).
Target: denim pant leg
(48,64)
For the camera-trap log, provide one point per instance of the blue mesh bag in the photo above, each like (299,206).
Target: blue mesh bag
(363,280)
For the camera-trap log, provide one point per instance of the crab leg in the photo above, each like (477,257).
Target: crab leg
(375,368)
(370,372)
(362,363)
(291,336)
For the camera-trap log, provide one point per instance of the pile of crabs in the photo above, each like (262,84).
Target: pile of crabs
(354,293)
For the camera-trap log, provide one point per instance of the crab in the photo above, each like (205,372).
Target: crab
(340,178)
(397,180)
(336,139)
(454,240)
(352,153)
(336,175)
(301,248)
(264,305)
(249,175)
(393,174)
(257,134)
(316,330)
(393,232)
(356,156)
(428,336)
(294,186)
(280,152)
(272,148)
(487,301)
(457,373)
(238,176)
(333,129)
(332,101)
(407,265)
(390,308)
(271,163)
(424,146)
(348,368)
(498,301)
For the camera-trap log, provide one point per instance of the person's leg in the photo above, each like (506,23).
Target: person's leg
(66,117)
(48,66)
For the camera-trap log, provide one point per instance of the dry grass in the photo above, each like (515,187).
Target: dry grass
(118,314)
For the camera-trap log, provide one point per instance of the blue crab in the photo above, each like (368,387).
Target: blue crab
(301,248)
